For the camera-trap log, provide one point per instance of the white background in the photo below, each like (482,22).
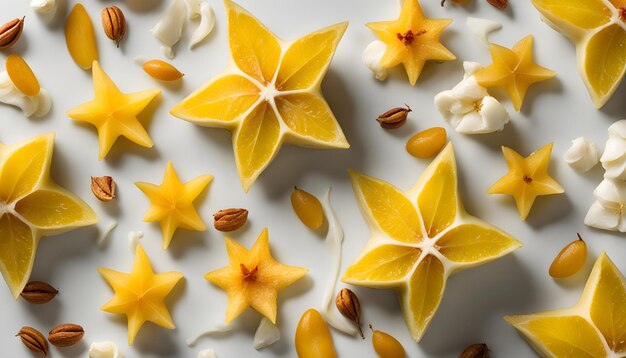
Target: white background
(475,301)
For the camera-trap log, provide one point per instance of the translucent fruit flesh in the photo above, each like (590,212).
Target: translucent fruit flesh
(268,71)
(313,339)
(22,75)
(570,260)
(308,208)
(427,143)
(419,238)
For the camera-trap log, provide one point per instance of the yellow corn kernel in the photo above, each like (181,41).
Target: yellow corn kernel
(308,208)
(162,71)
(386,346)
(313,339)
(570,260)
(22,76)
(80,37)
(427,143)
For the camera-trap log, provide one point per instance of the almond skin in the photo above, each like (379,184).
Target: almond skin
(103,188)
(230,219)
(66,335)
(10,33)
(499,4)
(39,292)
(394,118)
(114,24)
(33,340)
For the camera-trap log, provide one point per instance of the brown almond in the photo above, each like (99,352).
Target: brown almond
(33,340)
(66,335)
(10,33)
(394,118)
(348,304)
(38,292)
(230,219)
(478,350)
(114,24)
(499,4)
(103,188)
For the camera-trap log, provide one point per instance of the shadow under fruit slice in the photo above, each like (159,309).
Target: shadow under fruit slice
(32,206)
(419,238)
(270,94)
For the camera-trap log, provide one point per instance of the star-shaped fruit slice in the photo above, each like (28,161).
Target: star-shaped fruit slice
(598,30)
(253,278)
(514,70)
(270,94)
(172,203)
(527,178)
(594,327)
(114,113)
(140,294)
(412,39)
(32,206)
(419,238)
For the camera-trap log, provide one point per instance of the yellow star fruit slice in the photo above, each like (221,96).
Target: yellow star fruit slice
(527,178)
(514,70)
(253,278)
(140,294)
(594,327)
(419,238)
(171,203)
(412,39)
(270,94)
(598,30)
(32,206)
(114,113)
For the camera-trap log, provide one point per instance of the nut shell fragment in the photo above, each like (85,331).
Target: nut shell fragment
(103,188)
(230,219)
(66,335)
(33,340)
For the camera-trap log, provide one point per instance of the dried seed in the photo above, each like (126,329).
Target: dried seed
(66,335)
(478,350)
(103,188)
(10,33)
(394,118)
(114,24)
(33,340)
(230,219)
(39,292)
(348,304)
(499,4)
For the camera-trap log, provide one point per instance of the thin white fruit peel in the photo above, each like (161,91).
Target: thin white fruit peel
(105,233)
(217,329)
(134,237)
(207,22)
(372,55)
(44,7)
(32,106)
(207,353)
(266,335)
(481,28)
(170,28)
(582,155)
(334,243)
(608,212)
(104,349)
(614,157)
(468,106)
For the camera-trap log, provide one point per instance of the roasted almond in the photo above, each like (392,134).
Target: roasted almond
(114,24)
(348,304)
(66,335)
(394,118)
(33,340)
(10,33)
(478,350)
(499,4)
(230,219)
(103,188)
(39,292)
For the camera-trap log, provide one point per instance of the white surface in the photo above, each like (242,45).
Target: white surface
(557,110)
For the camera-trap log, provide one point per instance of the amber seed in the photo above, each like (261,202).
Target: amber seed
(308,208)
(570,260)
(22,75)
(162,71)
(427,143)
